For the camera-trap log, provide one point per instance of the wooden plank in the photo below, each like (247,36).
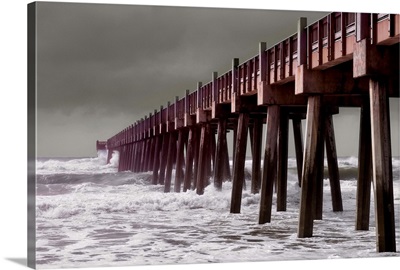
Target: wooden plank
(179,161)
(310,164)
(382,166)
(331,155)
(203,152)
(256,164)
(298,143)
(364,169)
(239,162)
(170,161)
(220,155)
(270,165)
(189,160)
(283,141)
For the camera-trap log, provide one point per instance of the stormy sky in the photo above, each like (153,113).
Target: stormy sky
(102,67)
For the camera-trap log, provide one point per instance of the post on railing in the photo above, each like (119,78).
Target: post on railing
(187,102)
(302,41)
(363,30)
(176,109)
(199,95)
(235,64)
(262,47)
(214,87)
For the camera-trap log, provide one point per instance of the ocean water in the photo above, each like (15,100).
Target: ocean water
(90,215)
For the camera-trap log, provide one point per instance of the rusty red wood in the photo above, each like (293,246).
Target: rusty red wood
(179,177)
(170,161)
(238,164)
(382,166)
(270,165)
(283,141)
(256,163)
(364,169)
(219,158)
(202,160)
(298,143)
(189,159)
(334,178)
(310,168)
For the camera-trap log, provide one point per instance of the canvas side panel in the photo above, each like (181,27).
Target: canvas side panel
(31,135)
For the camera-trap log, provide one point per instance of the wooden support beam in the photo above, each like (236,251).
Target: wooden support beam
(382,166)
(318,191)
(203,156)
(331,155)
(143,155)
(164,157)
(170,161)
(310,166)
(139,155)
(226,166)
(121,159)
(135,144)
(364,169)
(220,155)
(256,164)
(125,156)
(196,156)
(189,159)
(150,164)
(338,79)
(239,162)
(235,129)
(213,149)
(270,164)
(156,157)
(298,143)
(109,154)
(283,141)
(130,157)
(179,161)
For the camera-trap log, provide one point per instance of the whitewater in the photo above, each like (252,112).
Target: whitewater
(88,214)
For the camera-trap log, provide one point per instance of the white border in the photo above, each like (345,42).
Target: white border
(13,87)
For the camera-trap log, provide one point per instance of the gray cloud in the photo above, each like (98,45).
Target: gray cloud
(102,67)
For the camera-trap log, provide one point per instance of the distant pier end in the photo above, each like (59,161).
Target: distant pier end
(101,145)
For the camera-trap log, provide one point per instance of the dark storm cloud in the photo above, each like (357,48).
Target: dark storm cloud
(103,67)
(136,58)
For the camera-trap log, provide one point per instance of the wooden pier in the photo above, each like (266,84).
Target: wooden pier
(342,60)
